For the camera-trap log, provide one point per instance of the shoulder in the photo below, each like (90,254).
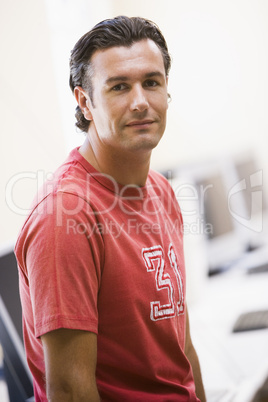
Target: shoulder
(158,178)
(164,189)
(159,181)
(65,188)
(62,199)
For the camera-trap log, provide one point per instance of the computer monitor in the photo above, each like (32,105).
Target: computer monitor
(215,200)
(211,183)
(251,176)
(248,170)
(16,372)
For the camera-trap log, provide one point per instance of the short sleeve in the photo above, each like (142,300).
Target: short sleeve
(64,254)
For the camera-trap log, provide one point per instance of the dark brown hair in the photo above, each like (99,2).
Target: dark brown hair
(119,31)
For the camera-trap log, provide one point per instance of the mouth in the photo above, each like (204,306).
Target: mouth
(142,124)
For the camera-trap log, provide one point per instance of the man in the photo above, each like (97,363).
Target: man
(102,275)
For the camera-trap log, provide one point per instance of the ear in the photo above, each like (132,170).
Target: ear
(168,94)
(84,102)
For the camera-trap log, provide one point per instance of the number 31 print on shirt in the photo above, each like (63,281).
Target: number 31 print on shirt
(155,262)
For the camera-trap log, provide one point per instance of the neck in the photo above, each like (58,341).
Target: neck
(130,168)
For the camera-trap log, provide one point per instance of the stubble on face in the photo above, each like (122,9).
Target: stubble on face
(112,108)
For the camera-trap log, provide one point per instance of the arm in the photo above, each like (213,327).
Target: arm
(193,359)
(70,362)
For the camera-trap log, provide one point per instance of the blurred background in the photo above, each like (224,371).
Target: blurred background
(214,151)
(218,83)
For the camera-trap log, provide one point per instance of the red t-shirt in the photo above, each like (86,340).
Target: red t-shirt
(96,256)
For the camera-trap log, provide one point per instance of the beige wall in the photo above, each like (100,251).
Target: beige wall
(30,128)
(218,83)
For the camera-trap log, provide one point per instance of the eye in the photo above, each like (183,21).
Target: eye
(151,83)
(119,87)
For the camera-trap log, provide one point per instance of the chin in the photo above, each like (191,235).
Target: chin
(145,145)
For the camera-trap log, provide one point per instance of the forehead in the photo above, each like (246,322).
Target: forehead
(141,57)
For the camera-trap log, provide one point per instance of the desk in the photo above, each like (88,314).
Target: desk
(236,363)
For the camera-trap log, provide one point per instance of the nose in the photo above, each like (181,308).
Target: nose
(139,100)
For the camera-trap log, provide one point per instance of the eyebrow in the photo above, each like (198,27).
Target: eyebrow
(119,78)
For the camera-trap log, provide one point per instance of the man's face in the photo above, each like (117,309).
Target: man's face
(129,96)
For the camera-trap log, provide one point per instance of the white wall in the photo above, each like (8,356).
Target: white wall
(37,119)
(30,127)
(68,21)
(218,79)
